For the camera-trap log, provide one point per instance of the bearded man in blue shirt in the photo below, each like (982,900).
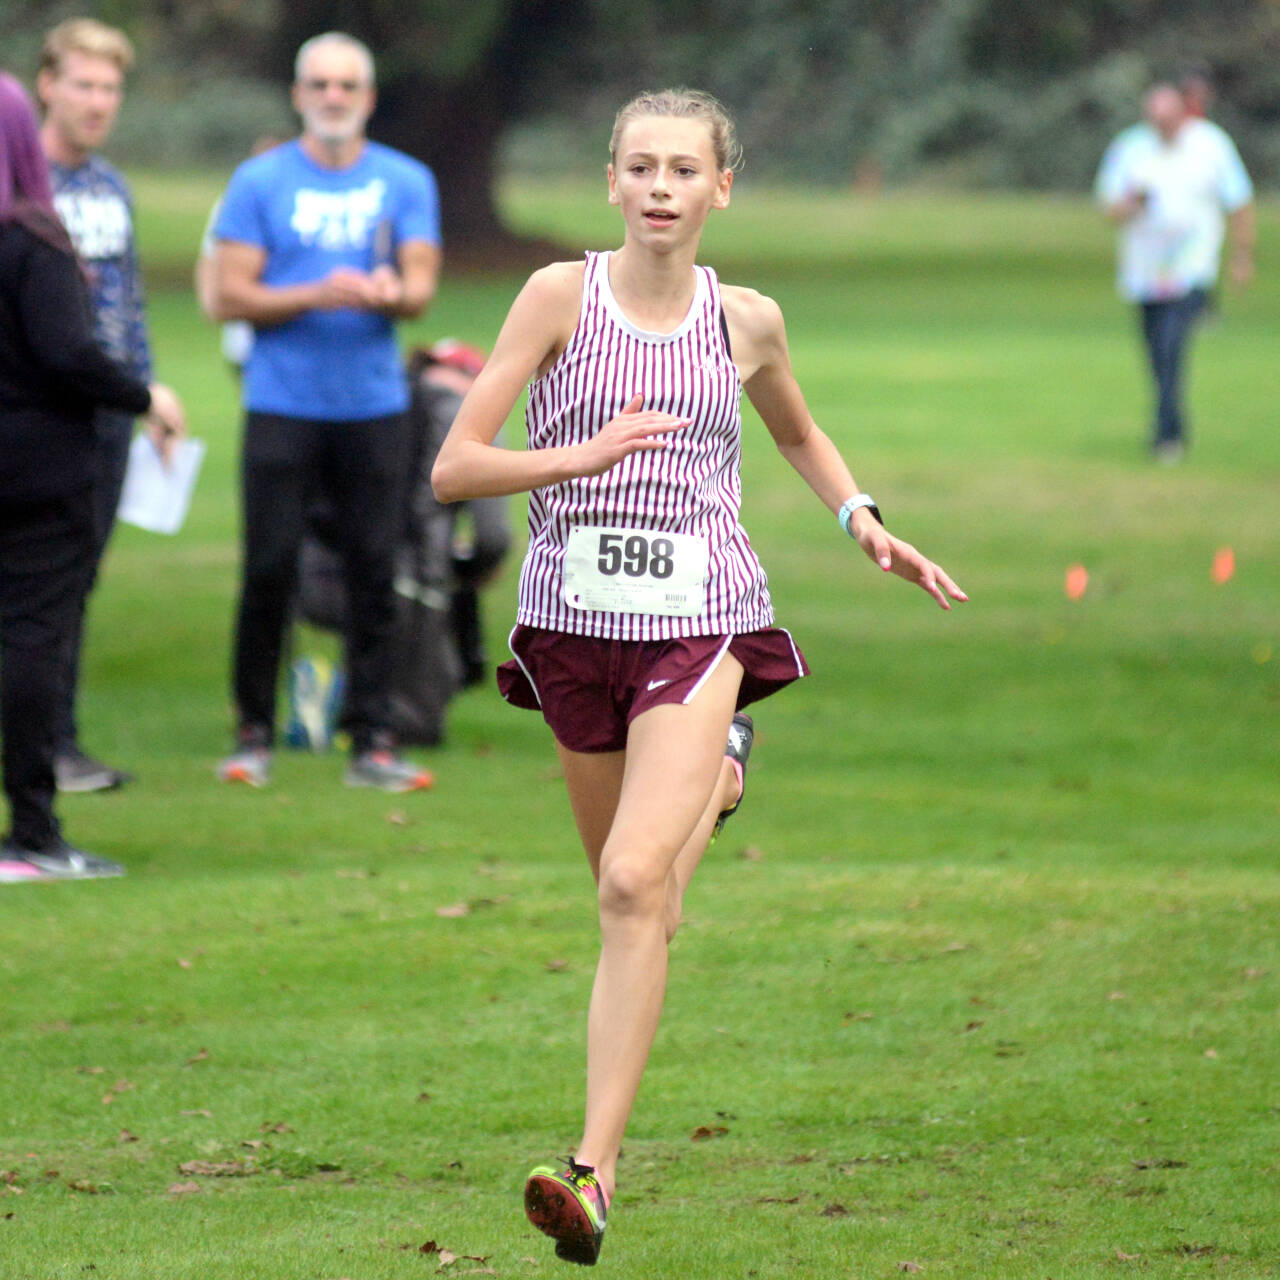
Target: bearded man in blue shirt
(321,244)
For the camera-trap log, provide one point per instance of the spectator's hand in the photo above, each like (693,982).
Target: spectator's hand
(344,287)
(165,422)
(1128,206)
(895,556)
(386,288)
(1241,268)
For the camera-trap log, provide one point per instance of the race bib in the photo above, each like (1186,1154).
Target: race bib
(635,571)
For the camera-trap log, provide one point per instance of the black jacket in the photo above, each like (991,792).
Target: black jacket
(53,375)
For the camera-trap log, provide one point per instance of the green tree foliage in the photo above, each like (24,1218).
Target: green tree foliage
(984,92)
(213,75)
(979,92)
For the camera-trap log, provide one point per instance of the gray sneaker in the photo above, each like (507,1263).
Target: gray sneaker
(250,765)
(62,862)
(387,771)
(742,733)
(75,771)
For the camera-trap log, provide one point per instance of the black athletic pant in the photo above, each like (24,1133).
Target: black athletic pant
(1167,326)
(113,434)
(360,467)
(44,546)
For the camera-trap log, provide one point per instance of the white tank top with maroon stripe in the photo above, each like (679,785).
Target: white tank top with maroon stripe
(691,487)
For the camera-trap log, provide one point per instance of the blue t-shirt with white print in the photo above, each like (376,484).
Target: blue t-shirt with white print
(340,365)
(94,202)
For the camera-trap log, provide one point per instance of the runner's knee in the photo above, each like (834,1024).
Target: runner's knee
(632,886)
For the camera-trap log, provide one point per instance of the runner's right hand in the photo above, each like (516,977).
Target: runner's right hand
(634,430)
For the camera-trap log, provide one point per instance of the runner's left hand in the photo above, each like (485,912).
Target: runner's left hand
(895,556)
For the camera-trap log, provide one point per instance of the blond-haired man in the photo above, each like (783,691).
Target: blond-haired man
(80,85)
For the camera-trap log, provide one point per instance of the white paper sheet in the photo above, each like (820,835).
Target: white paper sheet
(156,497)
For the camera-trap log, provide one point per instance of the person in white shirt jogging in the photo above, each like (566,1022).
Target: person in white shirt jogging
(644,620)
(1174,185)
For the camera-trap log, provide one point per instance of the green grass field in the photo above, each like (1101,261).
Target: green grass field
(984,979)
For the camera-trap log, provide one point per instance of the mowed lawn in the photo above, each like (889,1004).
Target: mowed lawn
(982,981)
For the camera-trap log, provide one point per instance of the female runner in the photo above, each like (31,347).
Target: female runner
(644,620)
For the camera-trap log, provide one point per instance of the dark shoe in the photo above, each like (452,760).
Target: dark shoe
(62,862)
(76,771)
(569,1206)
(742,733)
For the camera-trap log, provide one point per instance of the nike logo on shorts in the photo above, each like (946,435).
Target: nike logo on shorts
(657,684)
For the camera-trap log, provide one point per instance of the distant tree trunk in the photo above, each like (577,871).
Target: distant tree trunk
(456,130)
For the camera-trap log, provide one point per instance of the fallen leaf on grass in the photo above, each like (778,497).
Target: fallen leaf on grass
(1121,1256)
(120,1086)
(200,1111)
(183,963)
(184,1188)
(126,1136)
(1115,995)
(1159,1163)
(398,818)
(974,1025)
(703,1132)
(751,853)
(912,1267)
(201,1055)
(217,1168)
(91,1071)
(85,1187)
(8,1177)
(455,912)
(1211,1053)
(857,1017)
(778,1200)
(447,1257)
(278,1127)
(556,966)
(835,1211)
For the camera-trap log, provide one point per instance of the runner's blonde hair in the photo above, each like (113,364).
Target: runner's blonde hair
(685,104)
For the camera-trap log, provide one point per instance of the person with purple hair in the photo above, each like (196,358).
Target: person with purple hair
(53,377)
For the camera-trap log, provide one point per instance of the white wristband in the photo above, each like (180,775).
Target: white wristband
(852,505)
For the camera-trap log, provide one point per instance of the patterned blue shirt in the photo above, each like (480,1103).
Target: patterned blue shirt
(95,203)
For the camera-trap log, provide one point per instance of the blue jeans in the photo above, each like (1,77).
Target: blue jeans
(1166,327)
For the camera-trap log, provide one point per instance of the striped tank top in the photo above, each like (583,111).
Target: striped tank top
(691,487)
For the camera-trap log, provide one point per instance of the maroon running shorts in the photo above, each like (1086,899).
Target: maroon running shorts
(589,690)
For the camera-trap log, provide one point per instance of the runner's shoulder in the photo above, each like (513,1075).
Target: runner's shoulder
(753,317)
(558,282)
(552,296)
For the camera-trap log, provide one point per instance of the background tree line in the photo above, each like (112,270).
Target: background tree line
(965,92)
